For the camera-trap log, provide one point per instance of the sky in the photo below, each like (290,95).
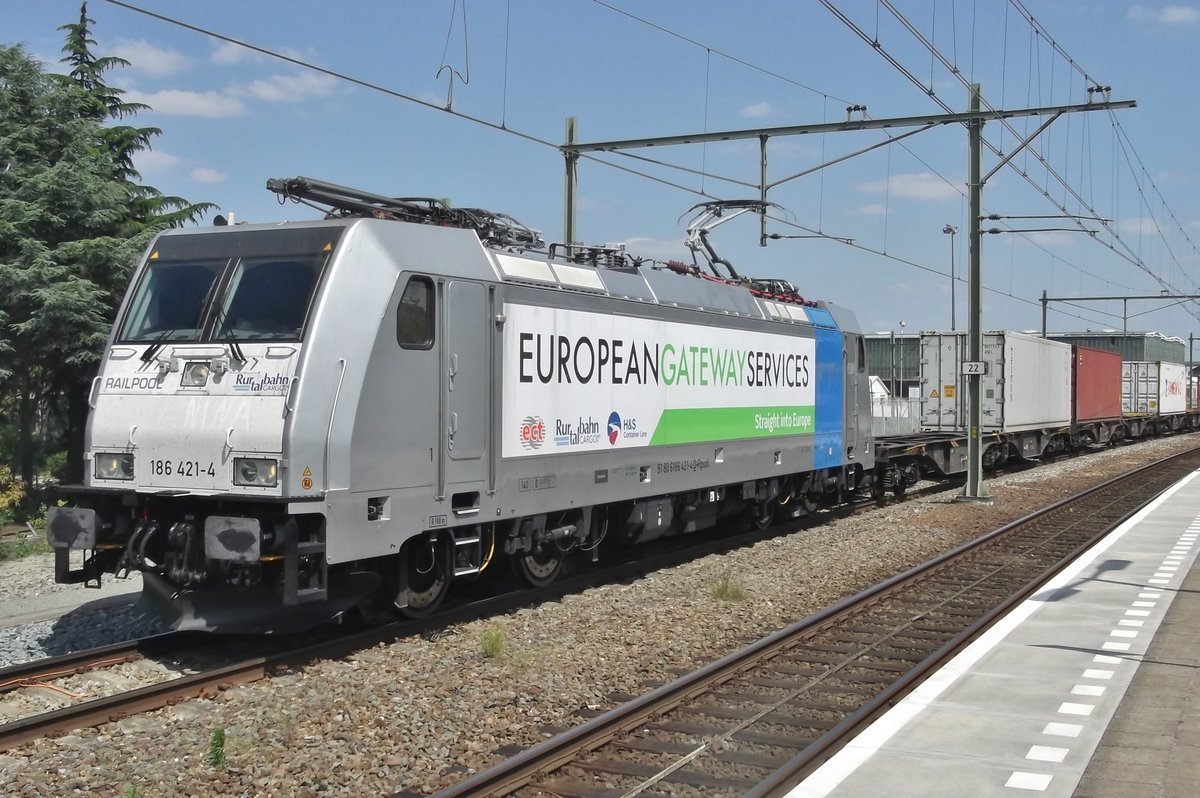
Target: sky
(468,101)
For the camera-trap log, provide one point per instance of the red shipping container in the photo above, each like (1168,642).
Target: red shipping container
(1096,385)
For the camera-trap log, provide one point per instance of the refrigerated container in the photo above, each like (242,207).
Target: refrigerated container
(1095,385)
(1027,384)
(1153,388)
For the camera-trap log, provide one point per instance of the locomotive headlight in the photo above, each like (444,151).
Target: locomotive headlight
(195,375)
(259,472)
(111,465)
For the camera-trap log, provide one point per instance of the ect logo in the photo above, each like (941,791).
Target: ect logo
(614,428)
(532,433)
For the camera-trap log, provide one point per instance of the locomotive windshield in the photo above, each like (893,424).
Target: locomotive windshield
(216,293)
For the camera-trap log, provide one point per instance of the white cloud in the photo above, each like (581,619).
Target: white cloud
(206,175)
(148,58)
(1055,238)
(874,209)
(1167,15)
(231,101)
(640,246)
(916,185)
(757,111)
(287,88)
(1137,226)
(155,161)
(230,53)
(211,104)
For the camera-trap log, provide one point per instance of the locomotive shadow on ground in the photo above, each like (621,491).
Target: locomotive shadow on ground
(120,617)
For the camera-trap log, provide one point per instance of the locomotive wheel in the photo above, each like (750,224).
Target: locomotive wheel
(762,514)
(427,575)
(806,493)
(539,568)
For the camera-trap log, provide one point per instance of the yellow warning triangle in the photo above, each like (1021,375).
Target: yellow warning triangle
(934,394)
(307,471)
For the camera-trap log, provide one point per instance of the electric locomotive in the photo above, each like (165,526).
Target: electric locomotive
(293,420)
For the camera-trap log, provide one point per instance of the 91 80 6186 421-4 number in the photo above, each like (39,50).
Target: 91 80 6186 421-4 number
(181,468)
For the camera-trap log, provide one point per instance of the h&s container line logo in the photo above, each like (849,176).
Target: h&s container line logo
(614,428)
(532,433)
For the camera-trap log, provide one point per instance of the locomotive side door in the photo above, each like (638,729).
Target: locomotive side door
(464,394)
(851,363)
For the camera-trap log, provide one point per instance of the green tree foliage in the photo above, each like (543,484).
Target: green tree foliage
(73,220)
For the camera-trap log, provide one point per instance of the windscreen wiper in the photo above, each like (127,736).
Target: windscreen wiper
(225,335)
(152,350)
(235,348)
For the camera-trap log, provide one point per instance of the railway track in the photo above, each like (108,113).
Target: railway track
(87,690)
(266,657)
(272,656)
(757,721)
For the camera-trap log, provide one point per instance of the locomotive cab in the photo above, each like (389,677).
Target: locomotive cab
(185,462)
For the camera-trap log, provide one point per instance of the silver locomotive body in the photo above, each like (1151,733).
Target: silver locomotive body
(293,420)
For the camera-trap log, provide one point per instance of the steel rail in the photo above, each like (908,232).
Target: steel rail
(84,660)
(819,751)
(98,711)
(519,770)
(143,699)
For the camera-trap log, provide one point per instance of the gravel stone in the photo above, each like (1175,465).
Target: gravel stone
(422,714)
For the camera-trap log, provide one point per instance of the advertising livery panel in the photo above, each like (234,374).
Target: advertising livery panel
(576,381)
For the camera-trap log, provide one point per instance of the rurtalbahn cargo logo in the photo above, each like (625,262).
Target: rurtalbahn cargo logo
(614,428)
(532,433)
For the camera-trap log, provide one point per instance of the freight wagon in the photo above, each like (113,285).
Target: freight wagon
(1154,396)
(1096,408)
(1026,392)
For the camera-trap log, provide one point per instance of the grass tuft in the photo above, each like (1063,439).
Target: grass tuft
(727,589)
(216,749)
(19,547)
(492,641)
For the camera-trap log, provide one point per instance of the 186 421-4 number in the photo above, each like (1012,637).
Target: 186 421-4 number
(182,468)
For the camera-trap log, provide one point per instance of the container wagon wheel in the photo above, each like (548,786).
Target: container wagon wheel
(877,487)
(886,480)
(425,566)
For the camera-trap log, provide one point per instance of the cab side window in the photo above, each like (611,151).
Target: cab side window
(415,314)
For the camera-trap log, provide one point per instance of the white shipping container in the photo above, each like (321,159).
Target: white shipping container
(1153,388)
(1027,384)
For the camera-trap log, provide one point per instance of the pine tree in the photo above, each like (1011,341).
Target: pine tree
(74,218)
(56,193)
(148,206)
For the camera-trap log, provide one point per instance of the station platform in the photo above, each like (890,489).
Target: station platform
(1091,688)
